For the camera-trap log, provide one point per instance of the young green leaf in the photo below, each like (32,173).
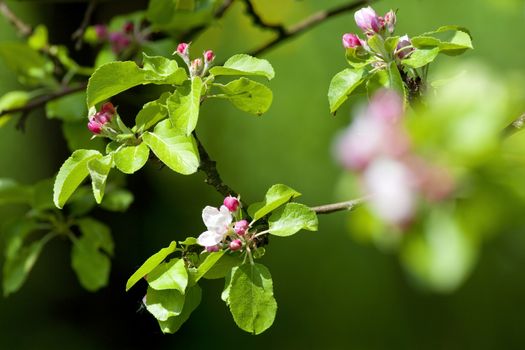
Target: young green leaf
(207,264)
(130,159)
(12,99)
(243,64)
(151,113)
(161,70)
(97,233)
(70,108)
(276,196)
(192,300)
(183,105)
(170,275)
(151,263)
(223,266)
(111,79)
(27,63)
(163,304)
(292,218)
(99,170)
(71,174)
(451,40)
(378,80)
(251,298)
(178,151)
(342,86)
(248,95)
(421,57)
(395,81)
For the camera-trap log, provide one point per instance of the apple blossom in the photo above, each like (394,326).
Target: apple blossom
(241,227)
(232,203)
(404,47)
(351,40)
(218,223)
(235,245)
(367,19)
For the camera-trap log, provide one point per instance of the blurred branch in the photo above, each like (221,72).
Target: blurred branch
(22,28)
(515,126)
(258,21)
(192,33)
(308,23)
(79,33)
(40,102)
(335,207)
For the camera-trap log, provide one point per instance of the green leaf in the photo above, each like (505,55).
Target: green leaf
(451,40)
(192,300)
(19,263)
(170,275)
(183,106)
(151,263)
(243,64)
(28,64)
(117,200)
(276,196)
(225,295)
(99,169)
(111,79)
(391,45)
(163,304)
(342,86)
(178,151)
(292,218)
(421,57)
(130,159)
(207,264)
(180,15)
(151,113)
(70,108)
(71,174)
(89,263)
(223,266)
(395,81)
(97,233)
(161,70)
(11,192)
(248,95)
(188,241)
(43,195)
(251,298)
(378,80)
(38,39)
(376,43)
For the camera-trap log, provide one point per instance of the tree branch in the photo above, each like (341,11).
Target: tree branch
(22,28)
(308,23)
(335,207)
(40,102)
(258,21)
(209,167)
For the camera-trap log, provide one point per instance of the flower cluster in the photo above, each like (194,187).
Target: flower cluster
(103,117)
(225,227)
(199,66)
(373,25)
(377,147)
(119,40)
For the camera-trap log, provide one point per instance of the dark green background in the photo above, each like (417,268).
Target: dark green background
(333,293)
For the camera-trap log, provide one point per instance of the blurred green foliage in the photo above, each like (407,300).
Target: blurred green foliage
(333,292)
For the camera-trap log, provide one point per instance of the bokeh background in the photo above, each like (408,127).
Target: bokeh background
(333,292)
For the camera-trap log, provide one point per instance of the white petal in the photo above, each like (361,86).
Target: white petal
(209,238)
(208,215)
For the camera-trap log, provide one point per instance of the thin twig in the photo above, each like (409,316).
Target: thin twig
(209,167)
(40,102)
(22,28)
(306,24)
(335,207)
(79,33)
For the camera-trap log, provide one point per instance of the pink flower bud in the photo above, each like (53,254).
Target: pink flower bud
(183,48)
(128,27)
(367,20)
(101,31)
(94,126)
(241,227)
(213,248)
(231,203)
(119,42)
(209,56)
(404,47)
(390,21)
(108,108)
(196,64)
(235,245)
(351,40)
